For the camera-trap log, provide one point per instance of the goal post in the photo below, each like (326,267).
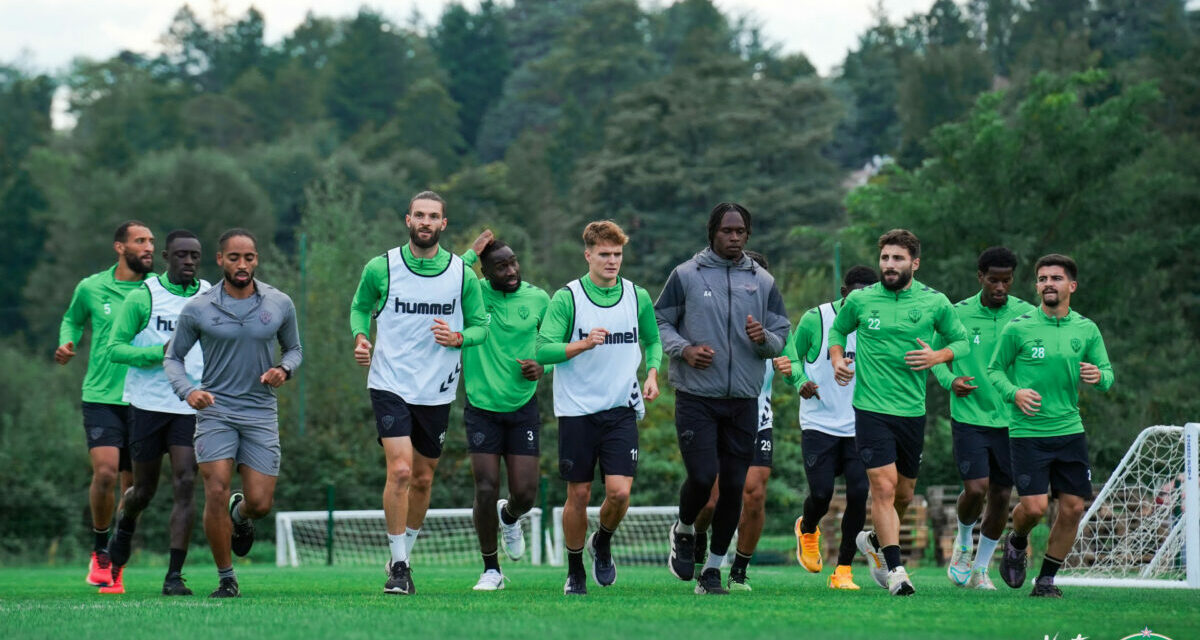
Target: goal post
(360,537)
(1143,528)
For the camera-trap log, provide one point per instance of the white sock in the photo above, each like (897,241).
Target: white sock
(983,557)
(714,562)
(680,527)
(236,515)
(398,546)
(410,537)
(964,535)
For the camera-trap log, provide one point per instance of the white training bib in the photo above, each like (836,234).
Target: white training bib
(605,376)
(147,388)
(408,361)
(766,415)
(833,412)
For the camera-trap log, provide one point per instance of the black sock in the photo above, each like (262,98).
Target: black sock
(604,539)
(808,526)
(741,561)
(1050,567)
(575,561)
(491,561)
(506,517)
(100,540)
(1019,541)
(891,555)
(177,558)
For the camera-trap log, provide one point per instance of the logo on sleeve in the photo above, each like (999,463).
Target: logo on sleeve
(914,315)
(1076,344)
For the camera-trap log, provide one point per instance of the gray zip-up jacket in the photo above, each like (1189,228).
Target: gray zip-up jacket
(237,350)
(706,301)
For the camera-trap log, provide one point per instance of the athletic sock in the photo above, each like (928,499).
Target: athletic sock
(807,526)
(741,560)
(603,539)
(491,561)
(575,561)
(983,556)
(714,561)
(891,555)
(688,529)
(177,558)
(1050,567)
(127,523)
(410,537)
(505,516)
(227,572)
(964,534)
(1019,541)
(100,539)
(399,547)
(237,515)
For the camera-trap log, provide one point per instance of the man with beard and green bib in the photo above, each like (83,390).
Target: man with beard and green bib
(426,310)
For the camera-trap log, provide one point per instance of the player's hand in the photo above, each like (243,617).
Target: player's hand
(64,353)
(650,389)
(698,356)
(482,241)
(922,358)
(783,365)
(755,331)
(199,399)
(444,336)
(843,371)
(362,351)
(1089,373)
(1028,401)
(531,370)
(808,390)
(962,386)
(273,377)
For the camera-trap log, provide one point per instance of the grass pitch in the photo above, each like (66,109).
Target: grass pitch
(347,602)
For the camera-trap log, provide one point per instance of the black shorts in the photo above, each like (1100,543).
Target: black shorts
(507,433)
(425,424)
(982,452)
(609,437)
(764,443)
(1058,464)
(724,425)
(108,425)
(829,456)
(155,432)
(883,439)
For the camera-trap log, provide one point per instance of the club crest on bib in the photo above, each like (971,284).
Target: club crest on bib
(1076,344)
(914,315)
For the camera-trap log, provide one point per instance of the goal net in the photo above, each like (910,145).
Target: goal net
(360,538)
(1143,528)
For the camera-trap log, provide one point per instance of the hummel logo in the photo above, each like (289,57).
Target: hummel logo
(451,379)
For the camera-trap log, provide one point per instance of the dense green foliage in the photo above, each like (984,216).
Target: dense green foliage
(533,117)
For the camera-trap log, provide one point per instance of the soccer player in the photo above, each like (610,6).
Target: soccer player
(979,419)
(426,310)
(827,432)
(98,299)
(896,319)
(162,423)
(754,494)
(237,421)
(595,330)
(501,414)
(720,316)
(1041,358)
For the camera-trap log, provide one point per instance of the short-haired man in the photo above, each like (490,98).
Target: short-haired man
(595,330)
(979,419)
(97,300)
(237,420)
(1038,364)
(895,321)
(501,414)
(426,311)
(162,423)
(827,432)
(720,316)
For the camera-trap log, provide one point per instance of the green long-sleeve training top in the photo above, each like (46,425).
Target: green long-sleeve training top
(98,298)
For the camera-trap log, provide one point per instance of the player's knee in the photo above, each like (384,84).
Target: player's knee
(139,495)
(975,490)
(257,506)
(522,498)
(857,491)
(420,482)
(1034,509)
(617,495)
(754,498)
(578,494)
(1071,511)
(399,474)
(487,490)
(184,482)
(104,476)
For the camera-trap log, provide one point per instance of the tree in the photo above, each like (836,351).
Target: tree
(473,50)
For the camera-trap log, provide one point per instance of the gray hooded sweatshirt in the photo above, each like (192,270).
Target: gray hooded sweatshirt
(705,302)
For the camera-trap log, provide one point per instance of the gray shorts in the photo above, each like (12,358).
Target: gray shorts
(254,444)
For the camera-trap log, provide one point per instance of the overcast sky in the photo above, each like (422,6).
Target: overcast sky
(44,35)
